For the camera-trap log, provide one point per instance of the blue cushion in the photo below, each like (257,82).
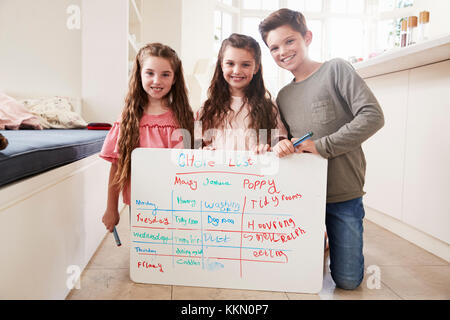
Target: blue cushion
(34,151)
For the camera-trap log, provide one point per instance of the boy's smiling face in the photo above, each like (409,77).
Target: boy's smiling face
(288,47)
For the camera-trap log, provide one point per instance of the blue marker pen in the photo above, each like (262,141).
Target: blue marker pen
(305,137)
(116,237)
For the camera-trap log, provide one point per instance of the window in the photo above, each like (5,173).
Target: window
(270,68)
(253,11)
(386,34)
(252,4)
(225,18)
(217,29)
(223,27)
(347,25)
(347,6)
(385,5)
(345,37)
(227,25)
(250,27)
(260,4)
(341,28)
(305,5)
(315,48)
(391,13)
(389,5)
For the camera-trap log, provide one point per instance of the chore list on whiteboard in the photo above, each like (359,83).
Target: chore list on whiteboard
(229,219)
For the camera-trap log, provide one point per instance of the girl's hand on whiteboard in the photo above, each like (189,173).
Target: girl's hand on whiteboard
(307,146)
(209,148)
(261,149)
(111,219)
(284,148)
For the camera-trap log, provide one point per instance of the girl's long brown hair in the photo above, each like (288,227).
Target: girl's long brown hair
(137,99)
(263,112)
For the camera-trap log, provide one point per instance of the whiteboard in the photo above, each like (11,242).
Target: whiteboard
(227,219)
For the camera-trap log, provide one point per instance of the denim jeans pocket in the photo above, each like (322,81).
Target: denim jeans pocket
(323,111)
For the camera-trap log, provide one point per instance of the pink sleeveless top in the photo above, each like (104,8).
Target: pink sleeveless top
(155,131)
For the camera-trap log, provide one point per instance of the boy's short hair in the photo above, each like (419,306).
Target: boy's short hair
(294,19)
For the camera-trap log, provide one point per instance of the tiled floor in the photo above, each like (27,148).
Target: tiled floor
(406,272)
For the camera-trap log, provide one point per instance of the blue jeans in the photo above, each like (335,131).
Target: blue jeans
(344,222)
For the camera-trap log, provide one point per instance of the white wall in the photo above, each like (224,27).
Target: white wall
(162,22)
(188,27)
(197,37)
(104,58)
(197,47)
(39,55)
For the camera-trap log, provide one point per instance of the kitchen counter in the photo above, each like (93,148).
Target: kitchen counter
(398,59)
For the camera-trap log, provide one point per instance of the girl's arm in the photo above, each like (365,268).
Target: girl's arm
(279,141)
(261,148)
(284,148)
(111,216)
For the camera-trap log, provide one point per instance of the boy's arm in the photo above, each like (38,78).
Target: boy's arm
(368,116)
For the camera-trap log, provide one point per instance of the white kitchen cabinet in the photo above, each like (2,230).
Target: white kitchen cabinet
(385,151)
(427,154)
(408,160)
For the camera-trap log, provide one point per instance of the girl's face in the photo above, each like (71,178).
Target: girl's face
(157,77)
(238,67)
(288,47)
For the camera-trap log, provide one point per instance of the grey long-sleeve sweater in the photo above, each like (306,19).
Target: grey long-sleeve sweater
(338,107)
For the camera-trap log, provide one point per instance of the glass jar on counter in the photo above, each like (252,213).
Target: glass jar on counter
(411,31)
(424,21)
(403,33)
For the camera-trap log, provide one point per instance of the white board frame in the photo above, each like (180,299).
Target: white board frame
(245,254)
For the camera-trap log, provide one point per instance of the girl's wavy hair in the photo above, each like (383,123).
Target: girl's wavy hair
(217,107)
(137,99)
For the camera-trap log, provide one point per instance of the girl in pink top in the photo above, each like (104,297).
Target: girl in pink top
(156,107)
(239,113)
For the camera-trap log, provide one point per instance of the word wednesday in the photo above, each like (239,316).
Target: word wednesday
(229,309)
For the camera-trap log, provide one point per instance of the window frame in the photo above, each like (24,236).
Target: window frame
(369,20)
(234,11)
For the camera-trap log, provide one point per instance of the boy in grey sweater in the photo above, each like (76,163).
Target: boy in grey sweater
(331,100)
